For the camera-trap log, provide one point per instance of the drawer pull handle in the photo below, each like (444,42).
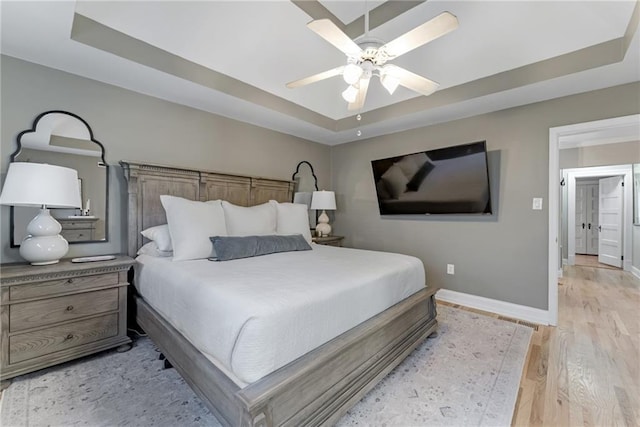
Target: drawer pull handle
(69,337)
(69,308)
(70,281)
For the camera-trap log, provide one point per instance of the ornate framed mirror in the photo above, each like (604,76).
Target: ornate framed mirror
(305,183)
(65,139)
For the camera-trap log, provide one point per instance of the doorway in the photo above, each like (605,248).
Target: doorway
(598,217)
(619,129)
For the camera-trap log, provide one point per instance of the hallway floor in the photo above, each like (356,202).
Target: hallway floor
(586,371)
(592,261)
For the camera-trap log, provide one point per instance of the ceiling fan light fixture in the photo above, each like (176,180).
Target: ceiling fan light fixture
(369,57)
(389,82)
(350,94)
(352,73)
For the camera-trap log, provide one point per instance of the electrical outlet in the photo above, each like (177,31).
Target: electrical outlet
(451,269)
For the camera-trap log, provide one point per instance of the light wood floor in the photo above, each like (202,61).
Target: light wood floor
(591,261)
(585,371)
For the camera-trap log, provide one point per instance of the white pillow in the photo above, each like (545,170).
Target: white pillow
(419,159)
(395,180)
(160,235)
(292,218)
(408,165)
(256,220)
(191,224)
(151,249)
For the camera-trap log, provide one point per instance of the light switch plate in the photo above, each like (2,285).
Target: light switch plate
(537,203)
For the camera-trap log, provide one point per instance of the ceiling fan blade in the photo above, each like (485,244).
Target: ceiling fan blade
(316,77)
(362,94)
(430,30)
(412,81)
(329,31)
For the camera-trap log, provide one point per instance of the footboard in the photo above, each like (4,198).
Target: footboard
(315,389)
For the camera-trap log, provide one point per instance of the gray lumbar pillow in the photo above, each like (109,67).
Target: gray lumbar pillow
(235,247)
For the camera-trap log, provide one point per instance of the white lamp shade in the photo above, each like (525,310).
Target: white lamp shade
(37,184)
(323,200)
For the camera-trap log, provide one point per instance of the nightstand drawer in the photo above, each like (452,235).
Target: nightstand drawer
(45,341)
(54,287)
(45,312)
(77,235)
(75,225)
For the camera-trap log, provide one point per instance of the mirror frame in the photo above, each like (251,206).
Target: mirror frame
(315,184)
(315,178)
(12,159)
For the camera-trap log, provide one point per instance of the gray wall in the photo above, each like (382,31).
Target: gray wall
(504,256)
(621,153)
(132,126)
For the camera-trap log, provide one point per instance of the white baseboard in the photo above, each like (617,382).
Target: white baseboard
(635,271)
(515,311)
(565,261)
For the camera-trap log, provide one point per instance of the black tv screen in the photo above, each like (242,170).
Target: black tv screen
(451,180)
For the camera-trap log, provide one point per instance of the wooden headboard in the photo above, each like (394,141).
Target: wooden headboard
(146,182)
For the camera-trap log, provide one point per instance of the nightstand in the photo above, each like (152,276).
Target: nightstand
(79,229)
(329,240)
(54,313)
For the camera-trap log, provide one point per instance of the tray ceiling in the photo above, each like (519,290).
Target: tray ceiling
(234,58)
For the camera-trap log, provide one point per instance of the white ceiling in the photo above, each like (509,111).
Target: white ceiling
(266,44)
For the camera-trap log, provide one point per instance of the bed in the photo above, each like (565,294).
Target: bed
(317,381)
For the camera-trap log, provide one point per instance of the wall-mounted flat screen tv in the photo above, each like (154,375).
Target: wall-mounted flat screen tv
(450,180)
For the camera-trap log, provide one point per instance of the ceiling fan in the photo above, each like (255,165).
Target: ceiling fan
(369,57)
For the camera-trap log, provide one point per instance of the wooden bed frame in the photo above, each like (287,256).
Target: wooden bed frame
(318,387)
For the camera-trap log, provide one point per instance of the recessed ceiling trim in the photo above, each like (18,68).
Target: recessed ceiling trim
(584,59)
(97,35)
(92,33)
(634,23)
(316,10)
(380,15)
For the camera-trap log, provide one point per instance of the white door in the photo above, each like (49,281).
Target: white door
(610,219)
(581,220)
(592,213)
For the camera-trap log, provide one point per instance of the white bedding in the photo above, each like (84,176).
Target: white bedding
(253,316)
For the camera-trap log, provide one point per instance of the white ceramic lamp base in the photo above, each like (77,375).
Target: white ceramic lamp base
(323,228)
(43,245)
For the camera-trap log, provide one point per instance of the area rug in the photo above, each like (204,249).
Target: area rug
(468,375)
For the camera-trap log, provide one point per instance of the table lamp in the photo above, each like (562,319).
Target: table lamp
(324,200)
(44,186)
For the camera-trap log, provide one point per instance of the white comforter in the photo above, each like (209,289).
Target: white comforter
(255,315)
